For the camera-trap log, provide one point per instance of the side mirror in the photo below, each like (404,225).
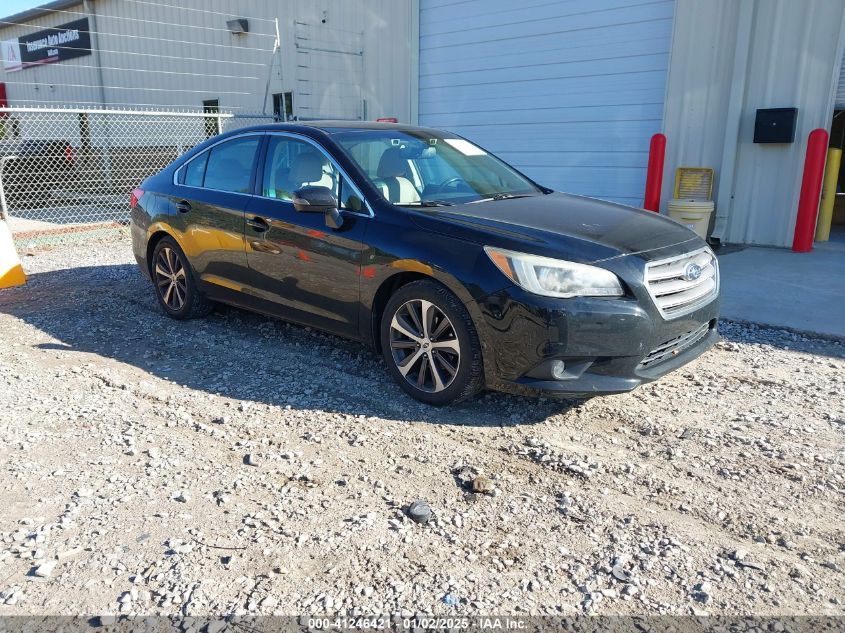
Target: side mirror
(334,218)
(314,200)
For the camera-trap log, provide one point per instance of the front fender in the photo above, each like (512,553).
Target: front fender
(461,266)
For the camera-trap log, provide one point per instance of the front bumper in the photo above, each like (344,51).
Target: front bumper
(607,345)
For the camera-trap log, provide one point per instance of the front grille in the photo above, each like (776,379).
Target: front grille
(673,347)
(674,290)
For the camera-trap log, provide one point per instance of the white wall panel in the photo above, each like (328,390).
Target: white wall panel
(179,53)
(793,61)
(699,87)
(569,92)
(840,89)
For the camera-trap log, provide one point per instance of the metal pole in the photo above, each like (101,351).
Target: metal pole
(276,44)
(4,213)
(831,178)
(811,189)
(95,46)
(654,174)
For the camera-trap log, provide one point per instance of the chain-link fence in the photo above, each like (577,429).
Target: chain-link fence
(67,173)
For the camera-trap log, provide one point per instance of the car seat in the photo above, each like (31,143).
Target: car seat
(308,170)
(393,181)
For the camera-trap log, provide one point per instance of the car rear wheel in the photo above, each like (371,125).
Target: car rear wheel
(173,278)
(430,344)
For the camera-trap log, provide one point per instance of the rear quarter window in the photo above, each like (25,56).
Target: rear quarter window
(195,170)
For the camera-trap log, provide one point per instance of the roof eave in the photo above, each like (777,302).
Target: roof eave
(37,12)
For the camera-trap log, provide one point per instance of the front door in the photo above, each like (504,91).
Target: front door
(310,272)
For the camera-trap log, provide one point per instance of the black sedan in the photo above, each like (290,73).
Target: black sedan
(459,270)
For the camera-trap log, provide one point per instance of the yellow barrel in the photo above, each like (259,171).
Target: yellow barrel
(694,214)
(831,177)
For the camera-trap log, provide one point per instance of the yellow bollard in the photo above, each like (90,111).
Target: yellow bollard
(11,271)
(831,178)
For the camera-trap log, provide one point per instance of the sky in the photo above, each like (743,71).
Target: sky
(10,7)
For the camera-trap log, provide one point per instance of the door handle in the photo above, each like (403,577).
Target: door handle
(258,224)
(183,206)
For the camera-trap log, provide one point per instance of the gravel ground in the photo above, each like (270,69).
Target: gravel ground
(239,465)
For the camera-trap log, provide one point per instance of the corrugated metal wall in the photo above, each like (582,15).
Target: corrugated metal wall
(729,59)
(569,92)
(168,53)
(698,91)
(840,88)
(793,60)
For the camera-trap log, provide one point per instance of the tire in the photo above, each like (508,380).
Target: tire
(447,340)
(175,284)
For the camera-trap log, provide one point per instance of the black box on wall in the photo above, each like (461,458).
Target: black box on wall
(775,125)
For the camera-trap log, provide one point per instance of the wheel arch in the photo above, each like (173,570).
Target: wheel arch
(155,234)
(392,283)
(152,242)
(382,295)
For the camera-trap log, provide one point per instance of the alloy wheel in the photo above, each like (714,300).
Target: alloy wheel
(170,278)
(424,345)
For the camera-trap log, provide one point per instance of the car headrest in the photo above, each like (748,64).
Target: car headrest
(392,164)
(307,168)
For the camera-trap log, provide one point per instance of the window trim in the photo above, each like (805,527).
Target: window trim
(331,159)
(178,175)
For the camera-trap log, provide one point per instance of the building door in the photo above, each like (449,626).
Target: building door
(568,92)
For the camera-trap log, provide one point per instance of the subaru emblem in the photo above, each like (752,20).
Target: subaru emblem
(692,272)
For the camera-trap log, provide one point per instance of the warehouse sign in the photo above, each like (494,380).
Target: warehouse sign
(56,44)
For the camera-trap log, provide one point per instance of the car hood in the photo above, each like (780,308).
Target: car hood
(562,225)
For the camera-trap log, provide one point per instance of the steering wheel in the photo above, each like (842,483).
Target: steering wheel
(451,181)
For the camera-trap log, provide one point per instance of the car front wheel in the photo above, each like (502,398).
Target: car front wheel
(430,344)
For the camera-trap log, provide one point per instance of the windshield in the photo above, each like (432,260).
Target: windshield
(423,169)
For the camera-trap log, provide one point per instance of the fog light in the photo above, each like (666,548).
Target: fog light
(558,369)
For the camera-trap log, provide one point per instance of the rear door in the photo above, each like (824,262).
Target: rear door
(208,206)
(308,272)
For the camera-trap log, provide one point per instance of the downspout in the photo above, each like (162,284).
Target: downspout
(95,45)
(736,102)
(94,34)
(414,75)
(276,48)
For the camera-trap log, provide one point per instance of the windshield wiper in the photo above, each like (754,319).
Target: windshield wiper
(508,196)
(427,203)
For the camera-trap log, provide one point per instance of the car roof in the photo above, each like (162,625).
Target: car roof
(334,127)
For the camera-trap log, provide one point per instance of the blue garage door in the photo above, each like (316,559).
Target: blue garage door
(569,91)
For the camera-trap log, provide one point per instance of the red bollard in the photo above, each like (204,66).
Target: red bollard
(654,176)
(811,189)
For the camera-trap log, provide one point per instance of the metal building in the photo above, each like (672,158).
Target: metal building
(336,58)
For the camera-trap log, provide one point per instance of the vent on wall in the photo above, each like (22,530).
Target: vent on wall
(238,26)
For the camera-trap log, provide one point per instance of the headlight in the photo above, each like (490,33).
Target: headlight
(555,277)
